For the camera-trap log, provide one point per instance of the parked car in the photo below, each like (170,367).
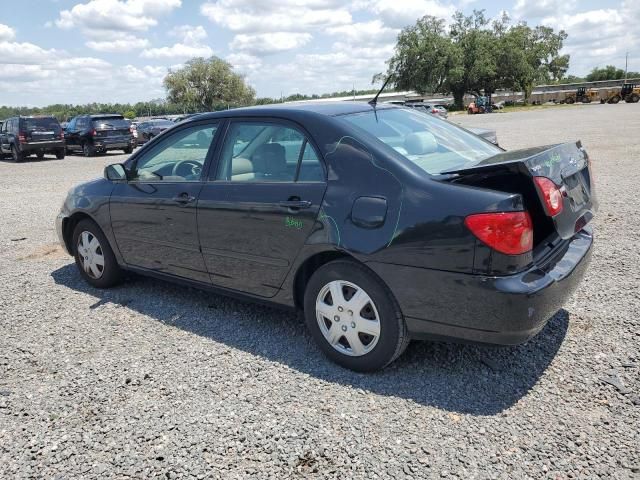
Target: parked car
(381,223)
(91,134)
(438,110)
(152,128)
(184,117)
(24,136)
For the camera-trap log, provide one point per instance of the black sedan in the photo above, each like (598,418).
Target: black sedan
(381,223)
(152,128)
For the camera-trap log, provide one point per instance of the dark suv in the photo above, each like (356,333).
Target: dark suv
(24,136)
(91,134)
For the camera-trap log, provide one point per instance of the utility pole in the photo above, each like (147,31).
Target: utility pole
(626,64)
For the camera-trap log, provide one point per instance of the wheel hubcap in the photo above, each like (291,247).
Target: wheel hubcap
(348,318)
(90,254)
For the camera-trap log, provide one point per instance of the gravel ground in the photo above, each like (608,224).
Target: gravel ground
(155,380)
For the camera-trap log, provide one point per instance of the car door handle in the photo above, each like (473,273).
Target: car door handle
(296,204)
(184,198)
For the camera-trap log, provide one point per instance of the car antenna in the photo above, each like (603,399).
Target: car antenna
(374,100)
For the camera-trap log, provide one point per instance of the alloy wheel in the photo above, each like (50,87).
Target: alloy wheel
(348,318)
(91,255)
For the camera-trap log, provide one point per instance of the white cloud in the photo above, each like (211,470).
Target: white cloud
(599,37)
(25,53)
(277,15)
(179,50)
(123,43)
(532,10)
(116,15)
(268,43)
(399,14)
(190,45)
(189,34)
(6,32)
(244,62)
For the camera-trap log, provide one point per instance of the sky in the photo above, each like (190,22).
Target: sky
(72,51)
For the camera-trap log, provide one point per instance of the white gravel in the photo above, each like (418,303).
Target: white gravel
(156,380)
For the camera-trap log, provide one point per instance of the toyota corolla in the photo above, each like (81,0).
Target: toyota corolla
(382,224)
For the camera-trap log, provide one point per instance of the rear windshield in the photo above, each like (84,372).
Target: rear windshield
(431,143)
(40,125)
(110,123)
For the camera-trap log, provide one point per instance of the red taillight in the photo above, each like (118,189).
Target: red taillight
(93,132)
(22,138)
(506,232)
(551,195)
(61,135)
(434,111)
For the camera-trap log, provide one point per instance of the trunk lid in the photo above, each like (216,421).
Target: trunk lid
(567,165)
(111,127)
(41,129)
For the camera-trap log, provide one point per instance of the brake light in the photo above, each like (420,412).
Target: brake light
(22,138)
(551,195)
(61,135)
(434,111)
(93,132)
(510,233)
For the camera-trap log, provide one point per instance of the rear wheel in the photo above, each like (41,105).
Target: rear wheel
(570,100)
(16,155)
(128,150)
(88,150)
(40,155)
(353,317)
(60,153)
(615,99)
(94,256)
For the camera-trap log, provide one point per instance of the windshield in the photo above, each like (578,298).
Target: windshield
(41,125)
(432,144)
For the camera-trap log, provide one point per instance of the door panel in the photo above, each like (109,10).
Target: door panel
(249,238)
(156,229)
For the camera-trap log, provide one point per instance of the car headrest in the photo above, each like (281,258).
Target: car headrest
(241,166)
(420,143)
(269,159)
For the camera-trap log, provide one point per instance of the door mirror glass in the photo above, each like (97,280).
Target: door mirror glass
(115,172)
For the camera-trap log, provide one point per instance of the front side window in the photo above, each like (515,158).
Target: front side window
(267,152)
(432,144)
(179,157)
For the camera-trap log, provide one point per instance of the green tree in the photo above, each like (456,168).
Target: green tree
(130,114)
(207,84)
(610,72)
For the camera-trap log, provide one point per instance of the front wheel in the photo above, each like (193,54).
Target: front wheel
(94,256)
(353,317)
(128,150)
(634,98)
(60,153)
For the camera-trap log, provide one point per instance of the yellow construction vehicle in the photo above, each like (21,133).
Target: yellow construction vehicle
(630,93)
(583,95)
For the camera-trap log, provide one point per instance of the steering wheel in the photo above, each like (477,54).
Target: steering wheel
(186,168)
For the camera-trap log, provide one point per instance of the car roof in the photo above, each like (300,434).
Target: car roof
(298,109)
(106,115)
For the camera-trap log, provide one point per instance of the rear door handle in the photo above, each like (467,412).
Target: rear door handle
(297,204)
(184,198)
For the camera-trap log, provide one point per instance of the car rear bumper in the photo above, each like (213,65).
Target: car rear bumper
(112,144)
(505,310)
(42,146)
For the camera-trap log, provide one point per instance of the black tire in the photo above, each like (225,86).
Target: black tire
(393,337)
(634,98)
(128,150)
(111,272)
(88,150)
(615,99)
(16,155)
(40,155)
(570,100)
(60,153)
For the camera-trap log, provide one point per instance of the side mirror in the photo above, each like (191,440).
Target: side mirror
(115,172)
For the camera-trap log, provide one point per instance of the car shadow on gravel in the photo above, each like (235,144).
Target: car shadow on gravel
(476,380)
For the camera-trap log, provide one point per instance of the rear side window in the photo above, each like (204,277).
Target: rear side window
(267,152)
